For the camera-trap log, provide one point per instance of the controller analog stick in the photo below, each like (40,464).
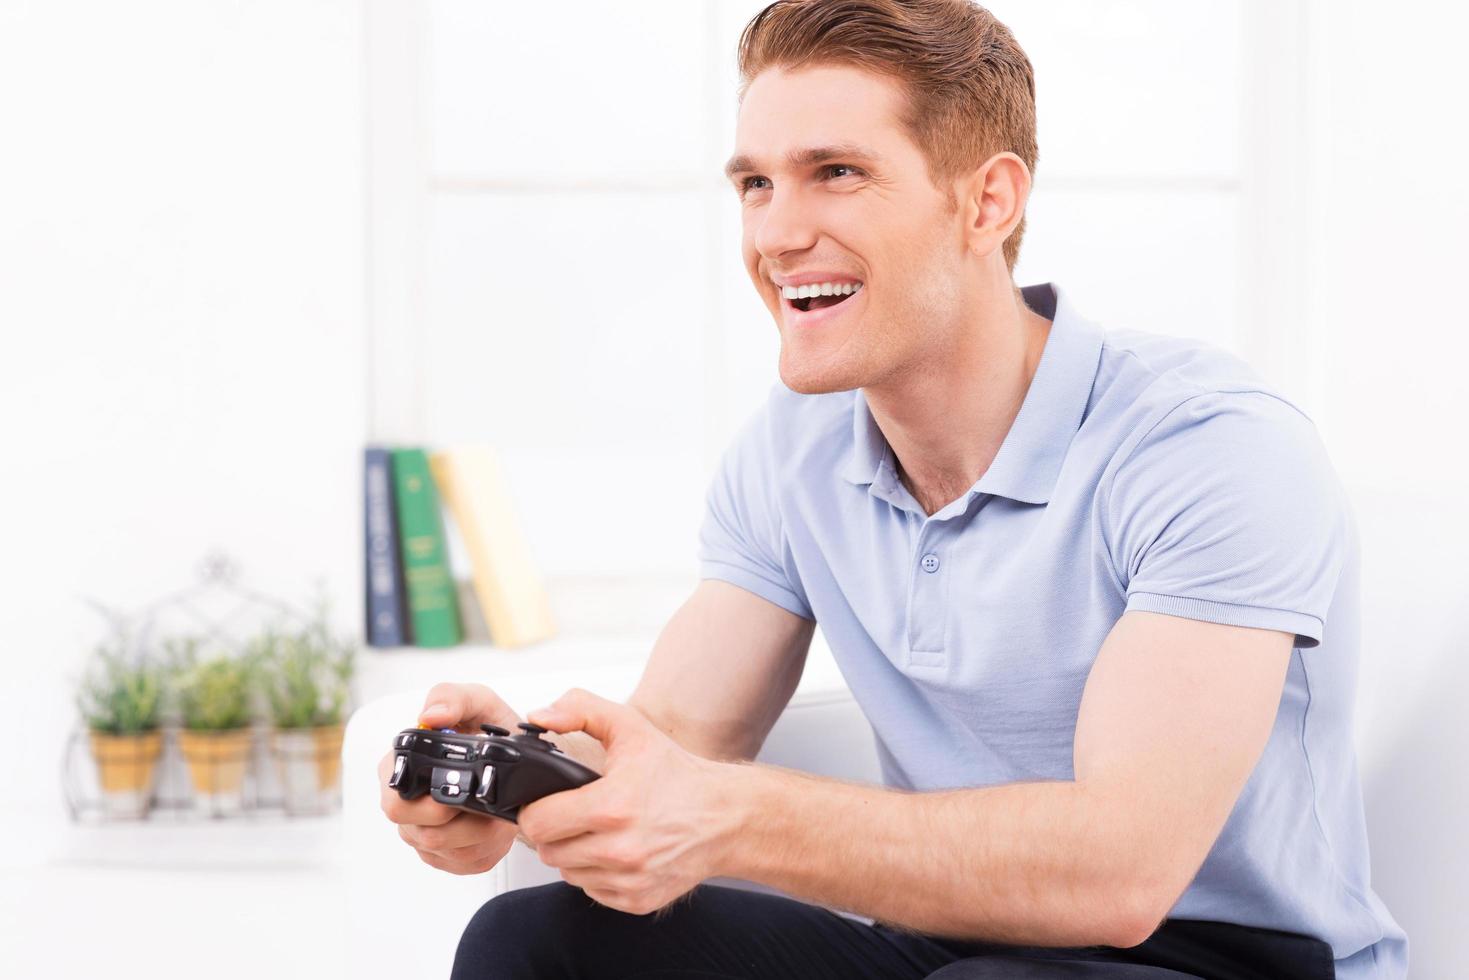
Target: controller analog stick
(494,730)
(530,729)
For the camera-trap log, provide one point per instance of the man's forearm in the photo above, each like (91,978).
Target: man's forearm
(1024,863)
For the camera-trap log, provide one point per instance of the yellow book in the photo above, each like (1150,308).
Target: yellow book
(512,596)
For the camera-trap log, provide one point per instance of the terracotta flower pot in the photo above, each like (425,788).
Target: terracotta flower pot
(217,762)
(328,740)
(310,766)
(126,765)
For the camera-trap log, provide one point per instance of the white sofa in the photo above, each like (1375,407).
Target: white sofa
(405,918)
(404,914)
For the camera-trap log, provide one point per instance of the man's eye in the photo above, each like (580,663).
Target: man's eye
(745,184)
(842,166)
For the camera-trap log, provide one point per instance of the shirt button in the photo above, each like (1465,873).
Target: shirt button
(930,563)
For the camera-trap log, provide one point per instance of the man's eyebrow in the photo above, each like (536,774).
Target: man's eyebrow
(805,157)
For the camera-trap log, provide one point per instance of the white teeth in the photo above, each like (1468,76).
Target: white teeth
(820,289)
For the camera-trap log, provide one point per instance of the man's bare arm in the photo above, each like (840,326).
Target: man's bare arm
(1174,718)
(721,672)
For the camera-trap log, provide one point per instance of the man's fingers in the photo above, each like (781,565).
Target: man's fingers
(466,830)
(573,853)
(423,810)
(570,813)
(452,865)
(581,710)
(471,860)
(448,705)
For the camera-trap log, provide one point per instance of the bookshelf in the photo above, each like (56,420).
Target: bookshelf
(602,620)
(607,626)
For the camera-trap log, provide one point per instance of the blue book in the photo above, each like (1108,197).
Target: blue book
(387,620)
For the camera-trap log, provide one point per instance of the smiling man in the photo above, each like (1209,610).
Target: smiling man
(1095,589)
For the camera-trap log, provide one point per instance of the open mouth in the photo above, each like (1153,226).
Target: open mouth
(811,297)
(810,303)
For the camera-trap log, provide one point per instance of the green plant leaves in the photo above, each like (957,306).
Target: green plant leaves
(121,694)
(302,676)
(307,675)
(214,694)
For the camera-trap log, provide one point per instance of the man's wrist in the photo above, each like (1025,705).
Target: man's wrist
(736,791)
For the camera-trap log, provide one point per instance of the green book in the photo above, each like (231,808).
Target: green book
(432,606)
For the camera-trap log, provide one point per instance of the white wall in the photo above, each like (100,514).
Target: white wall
(556,208)
(181,250)
(1389,206)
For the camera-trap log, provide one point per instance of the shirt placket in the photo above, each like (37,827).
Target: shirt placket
(928,611)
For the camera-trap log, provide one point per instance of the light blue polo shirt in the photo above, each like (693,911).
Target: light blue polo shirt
(1142,472)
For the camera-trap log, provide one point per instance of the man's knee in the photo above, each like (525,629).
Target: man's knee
(521,932)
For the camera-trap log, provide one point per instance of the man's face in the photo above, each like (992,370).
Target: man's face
(868,216)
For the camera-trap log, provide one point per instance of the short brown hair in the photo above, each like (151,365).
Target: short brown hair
(970,88)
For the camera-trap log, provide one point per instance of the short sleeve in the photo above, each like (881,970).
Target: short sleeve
(741,540)
(1228,510)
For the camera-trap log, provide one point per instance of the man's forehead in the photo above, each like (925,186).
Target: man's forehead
(812,115)
(824,87)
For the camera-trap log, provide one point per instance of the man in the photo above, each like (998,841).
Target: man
(1095,590)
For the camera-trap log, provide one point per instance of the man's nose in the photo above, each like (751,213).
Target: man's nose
(785,226)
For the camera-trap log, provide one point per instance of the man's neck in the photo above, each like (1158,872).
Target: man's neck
(946,421)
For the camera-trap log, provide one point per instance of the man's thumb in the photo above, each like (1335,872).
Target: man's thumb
(580,710)
(448,705)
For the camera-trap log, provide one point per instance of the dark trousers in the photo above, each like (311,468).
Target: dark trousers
(555,932)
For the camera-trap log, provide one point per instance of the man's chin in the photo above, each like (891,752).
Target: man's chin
(807,379)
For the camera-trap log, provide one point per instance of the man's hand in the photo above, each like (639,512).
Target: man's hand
(649,830)
(447,837)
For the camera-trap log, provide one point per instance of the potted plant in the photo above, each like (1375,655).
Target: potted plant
(119,700)
(214,708)
(306,675)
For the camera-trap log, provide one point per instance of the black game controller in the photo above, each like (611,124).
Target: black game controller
(495,773)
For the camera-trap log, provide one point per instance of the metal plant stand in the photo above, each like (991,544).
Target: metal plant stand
(151,778)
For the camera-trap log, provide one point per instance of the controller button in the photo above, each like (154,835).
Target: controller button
(398,766)
(486,781)
(449,789)
(452,776)
(448,731)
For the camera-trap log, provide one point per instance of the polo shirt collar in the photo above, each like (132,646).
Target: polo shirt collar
(1030,457)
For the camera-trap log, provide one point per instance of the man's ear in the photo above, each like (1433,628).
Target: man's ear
(993,200)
